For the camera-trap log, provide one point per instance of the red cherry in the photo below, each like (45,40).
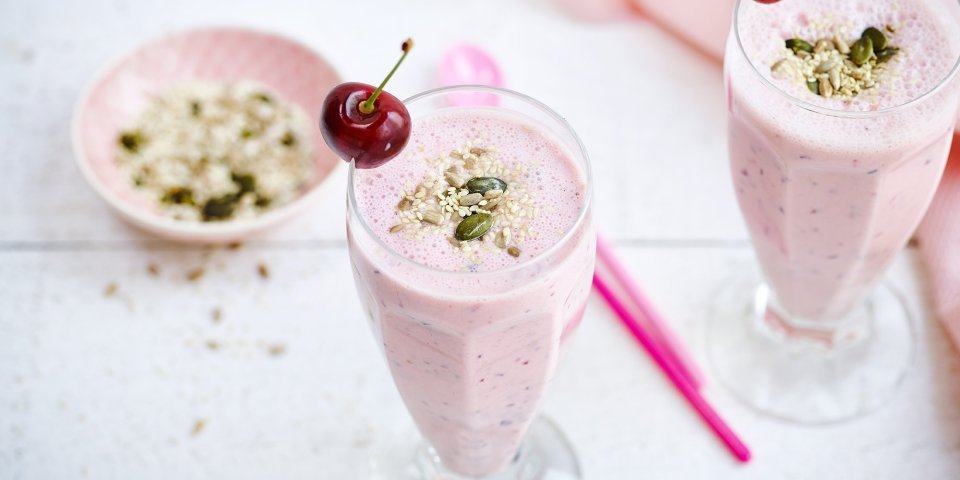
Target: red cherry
(366,124)
(369,139)
(767,1)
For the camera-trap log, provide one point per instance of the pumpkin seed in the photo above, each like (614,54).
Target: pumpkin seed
(131,141)
(246,183)
(814,86)
(219,208)
(473,227)
(178,195)
(861,50)
(482,185)
(799,44)
(886,54)
(877,37)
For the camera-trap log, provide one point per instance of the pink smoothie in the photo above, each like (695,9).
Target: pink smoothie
(473,340)
(830,197)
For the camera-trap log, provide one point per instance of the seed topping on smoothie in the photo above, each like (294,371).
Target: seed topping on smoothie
(833,67)
(464,195)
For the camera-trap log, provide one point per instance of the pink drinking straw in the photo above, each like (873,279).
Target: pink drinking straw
(670,368)
(673,349)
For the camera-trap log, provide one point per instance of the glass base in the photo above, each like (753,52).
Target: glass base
(804,374)
(544,455)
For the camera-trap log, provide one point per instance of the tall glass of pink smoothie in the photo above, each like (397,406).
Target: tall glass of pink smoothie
(841,114)
(473,252)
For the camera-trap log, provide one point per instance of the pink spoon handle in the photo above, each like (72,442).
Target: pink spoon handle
(466,64)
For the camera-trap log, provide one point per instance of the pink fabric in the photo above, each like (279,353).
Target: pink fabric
(939,239)
(705,30)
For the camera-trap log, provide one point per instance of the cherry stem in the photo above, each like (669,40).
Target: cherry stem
(367,106)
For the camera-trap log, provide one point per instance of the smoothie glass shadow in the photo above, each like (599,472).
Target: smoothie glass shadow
(472,353)
(829,197)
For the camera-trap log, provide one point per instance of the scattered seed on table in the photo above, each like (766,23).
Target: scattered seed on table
(198,426)
(196,274)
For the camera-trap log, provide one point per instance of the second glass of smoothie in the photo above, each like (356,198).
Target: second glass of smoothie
(472,310)
(841,114)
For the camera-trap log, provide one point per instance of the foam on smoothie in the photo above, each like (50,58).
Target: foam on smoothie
(551,178)
(927,39)
(929,43)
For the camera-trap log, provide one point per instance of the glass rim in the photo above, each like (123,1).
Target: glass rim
(581,151)
(833,112)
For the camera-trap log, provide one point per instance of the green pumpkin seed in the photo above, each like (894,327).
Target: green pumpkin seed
(798,44)
(178,196)
(814,87)
(131,141)
(886,54)
(219,208)
(482,185)
(861,50)
(474,227)
(246,183)
(877,37)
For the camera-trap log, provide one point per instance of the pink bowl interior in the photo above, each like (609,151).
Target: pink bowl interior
(216,54)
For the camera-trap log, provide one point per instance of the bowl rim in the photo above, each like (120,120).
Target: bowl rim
(158,223)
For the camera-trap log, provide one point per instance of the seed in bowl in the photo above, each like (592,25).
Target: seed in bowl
(218,151)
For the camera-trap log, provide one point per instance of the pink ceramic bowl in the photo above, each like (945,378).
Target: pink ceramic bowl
(119,93)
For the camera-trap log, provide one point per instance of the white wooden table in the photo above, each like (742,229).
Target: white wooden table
(144,384)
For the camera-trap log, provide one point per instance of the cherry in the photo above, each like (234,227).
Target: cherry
(767,1)
(365,124)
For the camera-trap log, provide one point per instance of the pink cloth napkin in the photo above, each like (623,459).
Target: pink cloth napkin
(939,239)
